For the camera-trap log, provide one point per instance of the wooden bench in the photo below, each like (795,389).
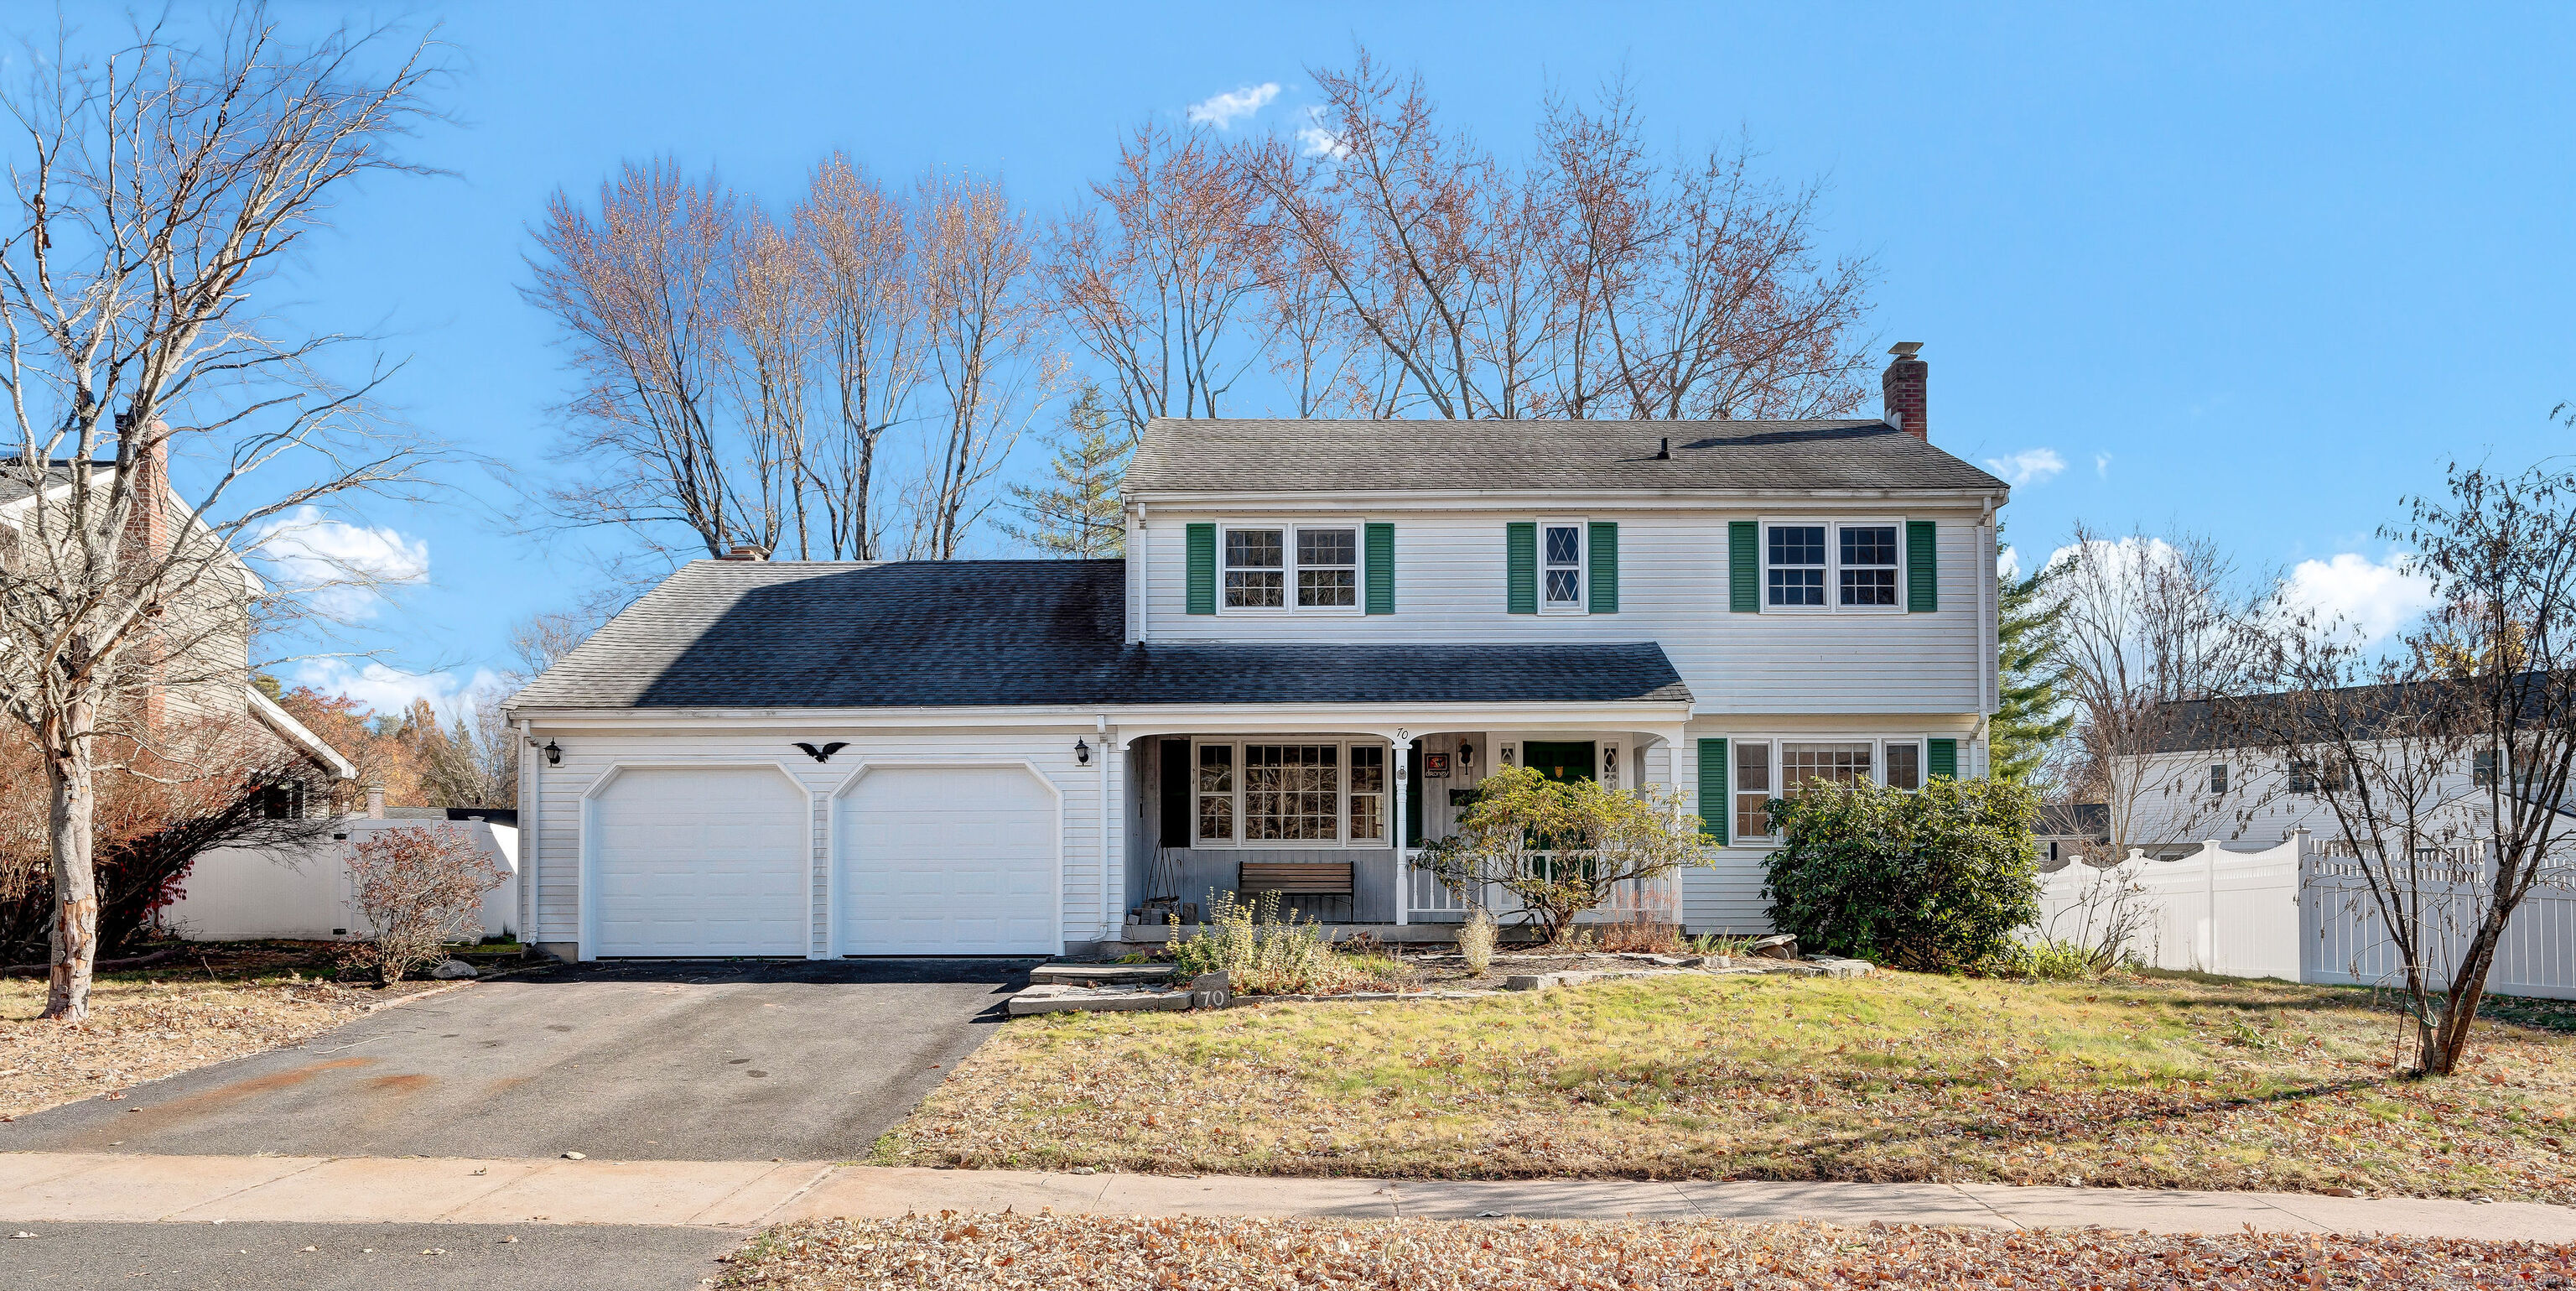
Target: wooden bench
(1295,878)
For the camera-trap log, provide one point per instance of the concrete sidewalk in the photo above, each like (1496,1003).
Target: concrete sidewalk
(63,1187)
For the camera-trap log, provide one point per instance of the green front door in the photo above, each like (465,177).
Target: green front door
(1559,760)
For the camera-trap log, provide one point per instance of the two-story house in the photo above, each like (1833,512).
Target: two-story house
(1323,634)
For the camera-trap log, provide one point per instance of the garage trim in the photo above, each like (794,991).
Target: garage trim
(589,905)
(832,826)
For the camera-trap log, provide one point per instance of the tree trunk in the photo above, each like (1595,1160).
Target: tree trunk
(75,931)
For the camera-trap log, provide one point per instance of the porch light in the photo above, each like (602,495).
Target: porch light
(1466,754)
(554,754)
(1081,752)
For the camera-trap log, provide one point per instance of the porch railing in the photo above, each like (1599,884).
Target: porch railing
(1429,898)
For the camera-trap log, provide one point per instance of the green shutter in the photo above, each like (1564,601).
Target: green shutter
(1604,559)
(1202,574)
(1743,567)
(1712,789)
(1380,560)
(1520,566)
(1922,569)
(1944,758)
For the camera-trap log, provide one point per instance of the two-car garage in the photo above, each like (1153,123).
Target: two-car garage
(950,858)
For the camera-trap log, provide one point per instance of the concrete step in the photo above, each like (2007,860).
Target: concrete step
(1098,974)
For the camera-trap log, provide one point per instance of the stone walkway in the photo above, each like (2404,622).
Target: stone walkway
(38,1187)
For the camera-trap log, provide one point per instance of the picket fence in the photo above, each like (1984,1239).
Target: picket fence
(2301,910)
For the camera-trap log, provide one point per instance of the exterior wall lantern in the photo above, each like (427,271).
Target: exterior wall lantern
(1081,752)
(554,754)
(1466,754)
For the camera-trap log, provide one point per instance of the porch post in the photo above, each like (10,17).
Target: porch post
(1403,772)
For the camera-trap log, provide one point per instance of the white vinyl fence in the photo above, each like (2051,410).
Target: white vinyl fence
(304,894)
(2299,911)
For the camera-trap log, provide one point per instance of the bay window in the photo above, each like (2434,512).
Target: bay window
(1316,793)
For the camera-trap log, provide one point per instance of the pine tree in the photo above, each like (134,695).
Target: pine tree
(2031,716)
(1079,515)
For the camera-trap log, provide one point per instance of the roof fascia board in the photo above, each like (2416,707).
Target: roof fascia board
(295,732)
(1494,499)
(1209,716)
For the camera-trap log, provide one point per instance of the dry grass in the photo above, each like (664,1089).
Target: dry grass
(1039,1252)
(161,1021)
(2158,1082)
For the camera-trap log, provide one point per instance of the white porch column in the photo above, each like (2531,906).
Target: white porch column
(1402,771)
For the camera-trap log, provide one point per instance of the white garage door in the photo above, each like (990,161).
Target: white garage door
(708,861)
(947,861)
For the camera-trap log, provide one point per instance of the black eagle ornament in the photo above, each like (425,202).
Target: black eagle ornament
(823,754)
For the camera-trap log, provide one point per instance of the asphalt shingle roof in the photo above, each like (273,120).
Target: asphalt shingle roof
(751,634)
(1177,456)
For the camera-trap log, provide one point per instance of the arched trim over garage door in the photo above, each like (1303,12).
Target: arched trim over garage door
(593,842)
(841,847)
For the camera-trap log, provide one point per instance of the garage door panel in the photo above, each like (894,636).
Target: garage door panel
(947,860)
(701,861)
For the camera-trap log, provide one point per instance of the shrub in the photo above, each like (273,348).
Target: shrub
(1262,955)
(418,889)
(1562,847)
(1933,880)
(1476,941)
(2055,961)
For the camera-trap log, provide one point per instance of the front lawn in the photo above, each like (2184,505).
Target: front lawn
(1078,1253)
(2153,1082)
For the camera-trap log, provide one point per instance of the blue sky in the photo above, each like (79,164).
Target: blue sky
(2254,270)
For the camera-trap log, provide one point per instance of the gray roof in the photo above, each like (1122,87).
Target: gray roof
(1295,456)
(13,477)
(1008,633)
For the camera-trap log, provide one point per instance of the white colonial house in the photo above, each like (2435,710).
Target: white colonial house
(1324,633)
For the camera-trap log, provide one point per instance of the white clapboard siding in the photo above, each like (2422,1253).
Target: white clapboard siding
(589,754)
(1673,589)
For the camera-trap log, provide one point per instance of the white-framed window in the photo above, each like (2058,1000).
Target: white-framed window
(1903,763)
(2217,779)
(1561,567)
(1289,568)
(1752,788)
(1833,566)
(1777,765)
(1288,792)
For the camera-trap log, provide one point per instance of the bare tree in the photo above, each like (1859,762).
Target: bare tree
(1152,278)
(776,313)
(2465,736)
(2152,636)
(642,290)
(160,187)
(1594,280)
(985,325)
(859,239)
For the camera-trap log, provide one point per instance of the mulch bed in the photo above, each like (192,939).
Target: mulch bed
(1043,1252)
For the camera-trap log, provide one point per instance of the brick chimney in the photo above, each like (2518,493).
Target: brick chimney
(746,551)
(147,526)
(1900,390)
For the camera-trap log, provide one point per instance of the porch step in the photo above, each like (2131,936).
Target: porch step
(1099,974)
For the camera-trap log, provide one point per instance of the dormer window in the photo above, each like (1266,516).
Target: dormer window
(1292,568)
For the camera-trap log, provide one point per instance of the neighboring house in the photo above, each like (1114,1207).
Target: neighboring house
(196,699)
(2204,783)
(1324,633)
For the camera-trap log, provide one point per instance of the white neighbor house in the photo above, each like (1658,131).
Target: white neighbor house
(1322,631)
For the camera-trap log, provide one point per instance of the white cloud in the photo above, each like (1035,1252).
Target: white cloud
(1223,110)
(2369,599)
(2102,465)
(1319,141)
(337,567)
(2008,564)
(2029,466)
(389,690)
(2126,558)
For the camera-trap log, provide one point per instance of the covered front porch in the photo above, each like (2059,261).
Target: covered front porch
(1332,821)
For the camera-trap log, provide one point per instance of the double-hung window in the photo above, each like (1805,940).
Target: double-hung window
(1832,565)
(1840,763)
(1560,567)
(1752,788)
(1306,794)
(1292,568)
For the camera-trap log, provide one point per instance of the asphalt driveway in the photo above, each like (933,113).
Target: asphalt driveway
(669,1061)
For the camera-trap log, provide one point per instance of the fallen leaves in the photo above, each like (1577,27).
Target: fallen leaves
(1046,1252)
(143,1028)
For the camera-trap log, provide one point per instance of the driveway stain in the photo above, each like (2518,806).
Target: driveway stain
(205,1102)
(405,1084)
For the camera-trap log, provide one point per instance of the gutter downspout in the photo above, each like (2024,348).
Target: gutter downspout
(531,825)
(1108,908)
